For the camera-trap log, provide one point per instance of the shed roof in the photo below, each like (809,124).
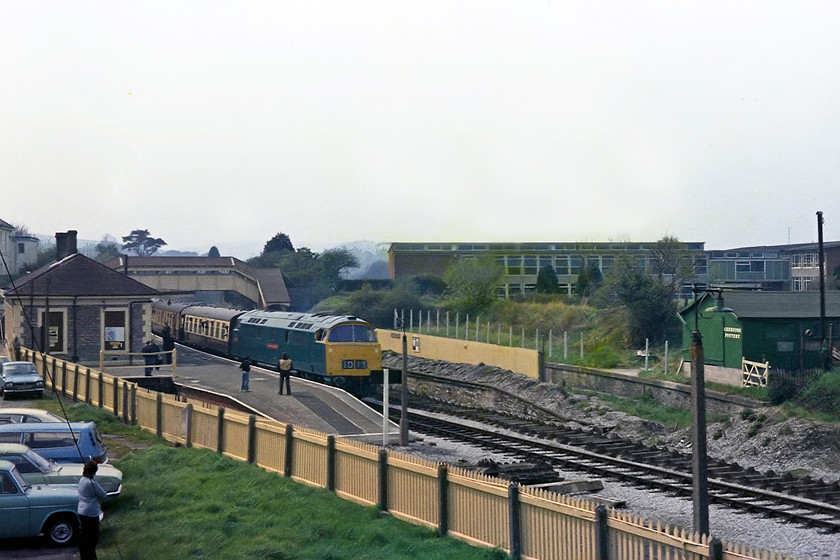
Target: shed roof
(78,275)
(775,305)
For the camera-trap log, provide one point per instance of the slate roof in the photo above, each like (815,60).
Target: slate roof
(776,305)
(78,275)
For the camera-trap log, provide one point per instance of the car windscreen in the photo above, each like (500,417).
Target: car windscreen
(19,368)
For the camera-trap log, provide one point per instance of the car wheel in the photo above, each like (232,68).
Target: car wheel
(61,530)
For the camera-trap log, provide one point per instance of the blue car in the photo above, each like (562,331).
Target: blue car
(20,378)
(63,442)
(30,510)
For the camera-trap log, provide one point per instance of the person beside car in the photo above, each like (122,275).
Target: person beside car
(89,510)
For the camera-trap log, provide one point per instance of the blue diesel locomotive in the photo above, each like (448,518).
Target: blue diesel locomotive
(336,350)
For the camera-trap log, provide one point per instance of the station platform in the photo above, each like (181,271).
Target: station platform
(312,405)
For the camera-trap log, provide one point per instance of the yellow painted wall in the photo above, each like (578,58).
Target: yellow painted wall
(519,360)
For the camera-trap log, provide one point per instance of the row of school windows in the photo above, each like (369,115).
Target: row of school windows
(568,265)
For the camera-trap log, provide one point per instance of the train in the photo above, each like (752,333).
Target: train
(337,350)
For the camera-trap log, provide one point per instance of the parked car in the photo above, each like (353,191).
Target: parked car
(63,442)
(36,469)
(21,415)
(31,510)
(20,378)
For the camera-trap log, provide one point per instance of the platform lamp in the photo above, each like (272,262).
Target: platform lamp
(699,459)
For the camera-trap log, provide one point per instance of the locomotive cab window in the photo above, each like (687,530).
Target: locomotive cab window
(352,333)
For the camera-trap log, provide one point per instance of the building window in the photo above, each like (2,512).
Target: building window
(21,248)
(53,331)
(114,322)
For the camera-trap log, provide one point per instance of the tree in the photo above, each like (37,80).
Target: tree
(589,279)
(141,243)
(280,243)
(474,281)
(672,264)
(214,252)
(650,305)
(107,249)
(333,261)
(547,280)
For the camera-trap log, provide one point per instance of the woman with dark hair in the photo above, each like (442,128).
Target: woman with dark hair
(89,510)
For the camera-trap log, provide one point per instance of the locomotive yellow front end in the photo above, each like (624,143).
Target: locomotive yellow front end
(352,353)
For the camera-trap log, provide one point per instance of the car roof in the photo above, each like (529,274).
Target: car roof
(39,412)
(13,449)
(45,426)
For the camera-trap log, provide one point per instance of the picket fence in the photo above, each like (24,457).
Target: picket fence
(528,523)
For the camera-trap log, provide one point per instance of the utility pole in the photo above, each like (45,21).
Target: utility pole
(699,460)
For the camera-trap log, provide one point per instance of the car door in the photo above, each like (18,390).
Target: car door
(14,509)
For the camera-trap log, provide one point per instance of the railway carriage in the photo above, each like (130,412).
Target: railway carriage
(336,350)
(167,313)
(209,328)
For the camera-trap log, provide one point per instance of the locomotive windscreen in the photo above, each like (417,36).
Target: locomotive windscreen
(352,333)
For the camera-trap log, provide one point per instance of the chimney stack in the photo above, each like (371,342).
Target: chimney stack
(65,244)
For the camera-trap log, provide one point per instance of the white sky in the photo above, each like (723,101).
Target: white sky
(223,123)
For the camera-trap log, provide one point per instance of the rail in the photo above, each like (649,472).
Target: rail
(527,523)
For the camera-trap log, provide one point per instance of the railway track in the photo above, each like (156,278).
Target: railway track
(802,500)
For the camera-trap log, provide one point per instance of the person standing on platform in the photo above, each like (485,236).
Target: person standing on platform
(245,366)
(168,343)
(284,366)
(149,356)
(89,509)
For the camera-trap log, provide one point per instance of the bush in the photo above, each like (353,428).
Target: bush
(602,357)
(823,394)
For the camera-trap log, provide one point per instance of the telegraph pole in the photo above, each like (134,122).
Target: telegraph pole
(699,461)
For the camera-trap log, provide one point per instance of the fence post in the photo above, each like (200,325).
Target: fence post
(189,411)
(602,542)
(134,405)
(382,475)
(76,383)
(220,431)
(125,402)
(290,440)
(101,389)
(64,379)
(330,463)
(443,500)
(159,414)
(252,438)
(115,397)
(87,386)
(515,525)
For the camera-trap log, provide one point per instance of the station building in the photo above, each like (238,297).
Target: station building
(76,307)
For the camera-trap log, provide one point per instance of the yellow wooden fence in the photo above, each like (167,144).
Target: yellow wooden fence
(527,523)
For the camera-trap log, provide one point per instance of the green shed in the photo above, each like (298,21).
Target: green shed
(779,328)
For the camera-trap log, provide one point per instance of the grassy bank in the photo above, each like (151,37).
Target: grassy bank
(182,503)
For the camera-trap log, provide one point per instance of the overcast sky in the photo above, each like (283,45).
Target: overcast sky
(223,123)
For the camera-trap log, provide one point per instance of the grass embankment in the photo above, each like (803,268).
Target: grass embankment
(188,503)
